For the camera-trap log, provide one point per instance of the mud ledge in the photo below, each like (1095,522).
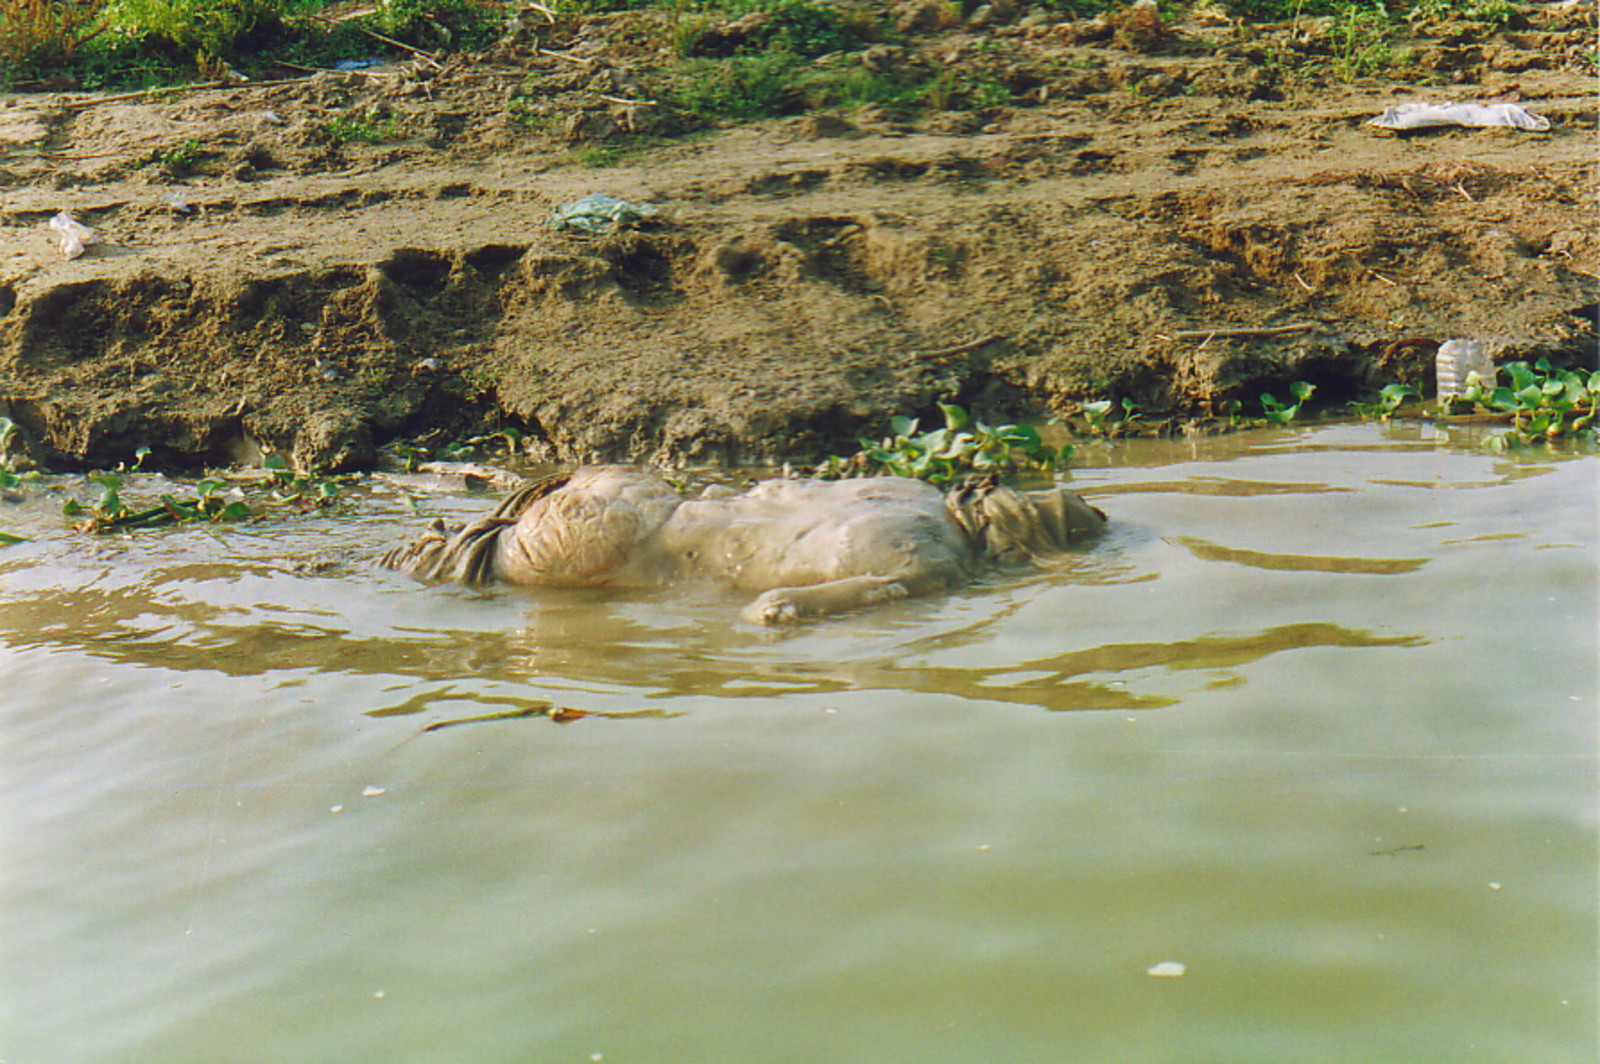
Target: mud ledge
(807,278)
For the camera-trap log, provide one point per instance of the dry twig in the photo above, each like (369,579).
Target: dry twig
(1237,333)
(582,60)
(961,349)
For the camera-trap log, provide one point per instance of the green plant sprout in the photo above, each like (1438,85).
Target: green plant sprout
(474,447)
(292,487)
(373,126)
(1098,415)
(178,160)
(1391,397)
(1095,413)
(1277,413)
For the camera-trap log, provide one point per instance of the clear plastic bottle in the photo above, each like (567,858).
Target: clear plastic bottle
(1456,359)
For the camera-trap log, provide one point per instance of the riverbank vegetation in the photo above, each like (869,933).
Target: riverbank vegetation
(730,58)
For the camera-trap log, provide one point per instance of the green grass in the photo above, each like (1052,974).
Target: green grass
(104,44)
(42,36)
(178,160)
(741,86)
(107,44)
(366,126)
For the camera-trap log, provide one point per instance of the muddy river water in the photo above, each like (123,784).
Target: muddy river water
(1316,722)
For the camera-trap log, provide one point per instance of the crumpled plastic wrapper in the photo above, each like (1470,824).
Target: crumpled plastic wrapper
(74,235)
(1468,115)
(597,213)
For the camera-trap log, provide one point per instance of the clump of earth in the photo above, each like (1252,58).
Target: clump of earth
(1167,214)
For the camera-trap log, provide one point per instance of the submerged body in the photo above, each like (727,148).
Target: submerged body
(809,547)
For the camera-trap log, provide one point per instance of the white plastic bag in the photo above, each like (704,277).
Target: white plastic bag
(74,235)
(1471,115)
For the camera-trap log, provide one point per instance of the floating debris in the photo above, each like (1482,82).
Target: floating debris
(558,714)
(534,709)
(1167,970)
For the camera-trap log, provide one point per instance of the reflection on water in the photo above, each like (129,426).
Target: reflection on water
(1215,552)
(1204,485)
(585,641)
(244,819)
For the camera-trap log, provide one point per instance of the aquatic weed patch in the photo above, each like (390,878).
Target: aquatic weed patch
(11,477)
(1539,403)
(110,513)
(217,500)
(962,447)
(1544,404)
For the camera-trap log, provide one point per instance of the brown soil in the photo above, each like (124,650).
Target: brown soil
(809,276)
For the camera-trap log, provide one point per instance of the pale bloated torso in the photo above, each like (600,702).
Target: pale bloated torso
(791,533)
(626,527)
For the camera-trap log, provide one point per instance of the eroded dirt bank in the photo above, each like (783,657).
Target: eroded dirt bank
(807,277)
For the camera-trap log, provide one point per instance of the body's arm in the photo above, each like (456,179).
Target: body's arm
(783,605)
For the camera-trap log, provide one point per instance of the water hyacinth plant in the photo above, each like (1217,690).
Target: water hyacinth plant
(1391,397)
(109,513)
(284,488)
(960,448)
(1542,403)
(1097,416)
(1277,413)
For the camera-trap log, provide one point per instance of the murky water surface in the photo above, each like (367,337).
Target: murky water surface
(1317,721)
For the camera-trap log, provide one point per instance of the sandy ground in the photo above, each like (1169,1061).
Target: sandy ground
(806,277)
